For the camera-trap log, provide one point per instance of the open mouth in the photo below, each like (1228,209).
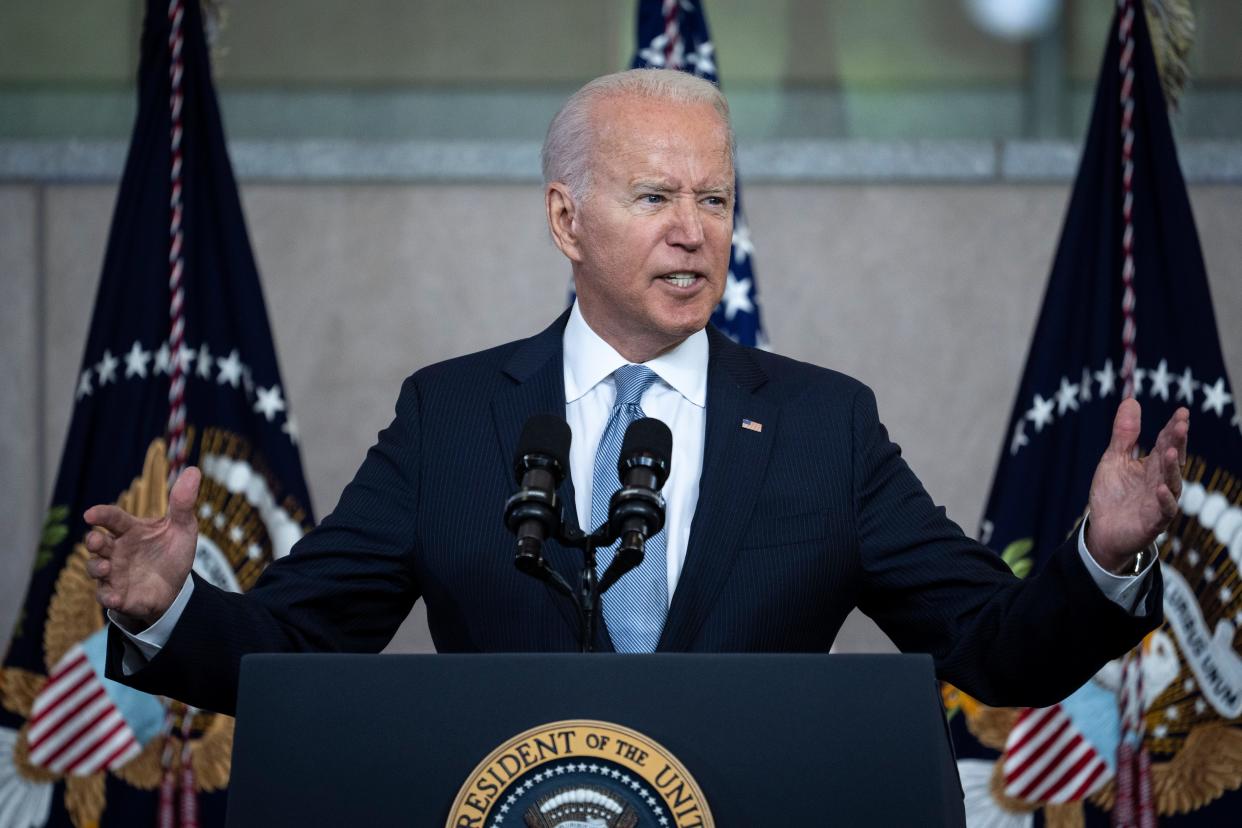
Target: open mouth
(680,280)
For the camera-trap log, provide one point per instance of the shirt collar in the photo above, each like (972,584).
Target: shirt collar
(589,360)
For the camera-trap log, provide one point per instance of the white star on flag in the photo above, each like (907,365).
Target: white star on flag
(84,385)
(136,361)
(1040,412)
(1186,385)
(107,368)
(269,403)
(230,369)
(737,296)
(1106,379)
(186,356)
(291,429)
(1066,396)
(163,360)
(742,245)
(701,59)
(1160,379)
(204,362)
(1019,437)
(1215,397)
(1085,383)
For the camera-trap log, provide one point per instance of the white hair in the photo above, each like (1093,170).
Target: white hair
(567,147)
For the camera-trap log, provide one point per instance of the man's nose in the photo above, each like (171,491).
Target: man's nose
(686,229)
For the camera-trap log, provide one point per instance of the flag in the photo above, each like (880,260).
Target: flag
(672,34)
(1127,310)
(179,367)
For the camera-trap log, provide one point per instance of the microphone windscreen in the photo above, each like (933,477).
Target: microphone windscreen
(545,434)
(648,436)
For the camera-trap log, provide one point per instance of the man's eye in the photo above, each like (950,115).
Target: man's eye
(652,198)
(715,201)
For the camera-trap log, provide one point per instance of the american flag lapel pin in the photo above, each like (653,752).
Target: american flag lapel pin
(752,425)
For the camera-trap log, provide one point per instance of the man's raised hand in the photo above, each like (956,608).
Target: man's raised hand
(140,564)
(1132,500)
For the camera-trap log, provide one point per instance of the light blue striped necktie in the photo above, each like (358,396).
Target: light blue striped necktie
(635,606)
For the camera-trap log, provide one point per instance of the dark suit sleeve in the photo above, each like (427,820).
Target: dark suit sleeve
(345,587)
(1005,641)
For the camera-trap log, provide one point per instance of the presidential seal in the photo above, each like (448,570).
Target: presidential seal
(580,774)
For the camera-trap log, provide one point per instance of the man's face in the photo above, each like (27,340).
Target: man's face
(653,234)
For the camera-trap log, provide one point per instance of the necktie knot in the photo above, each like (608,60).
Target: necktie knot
(632,382)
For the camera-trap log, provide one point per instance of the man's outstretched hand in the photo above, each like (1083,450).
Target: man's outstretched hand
(140,564)
(1132,499)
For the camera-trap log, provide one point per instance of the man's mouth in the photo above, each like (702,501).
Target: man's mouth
(681,280)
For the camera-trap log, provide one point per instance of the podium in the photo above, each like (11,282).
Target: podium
(769,740)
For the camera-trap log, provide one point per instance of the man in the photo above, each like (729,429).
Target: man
(639,197)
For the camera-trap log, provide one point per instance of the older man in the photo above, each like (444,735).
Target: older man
(639,197)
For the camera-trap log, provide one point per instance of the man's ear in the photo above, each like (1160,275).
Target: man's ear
(563,219)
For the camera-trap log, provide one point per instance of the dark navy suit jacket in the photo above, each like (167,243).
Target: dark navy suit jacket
(795,526)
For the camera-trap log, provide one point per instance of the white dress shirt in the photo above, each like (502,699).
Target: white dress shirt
(679,399)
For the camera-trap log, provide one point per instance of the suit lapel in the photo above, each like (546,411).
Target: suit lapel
(734,461)
(539,388)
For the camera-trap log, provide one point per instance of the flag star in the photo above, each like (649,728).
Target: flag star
(1170,713)
(1160,731)
(737,297)
(269,403)
(204,362)
(701,59)
(1192,557)
(1215,397)
(1186,385)
(1200,706)
(136,361)
(742,247)
(290,428)
(1019,437)
(107,368)
(1188,686)
(163,360)
(186,356)
(1085,385)
(84,385)
(254,551)
(1106,379)
(230,369)
(655,53)
(1225,595)
(1160,379)
(204,511)
(1040,412)
(1209,573)
(1139,375)
(1066,396)
(219,520)
(236,534)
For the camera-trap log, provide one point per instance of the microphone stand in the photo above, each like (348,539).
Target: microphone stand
(587,594)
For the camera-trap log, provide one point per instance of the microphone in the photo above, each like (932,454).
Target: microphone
(636,511)
(533,513)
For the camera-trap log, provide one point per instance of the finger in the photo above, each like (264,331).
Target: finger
(99,542)
(107,597)
(1172,472)
(1126,426)
(1168,504)
(113,518)
(182,497)
(98,568)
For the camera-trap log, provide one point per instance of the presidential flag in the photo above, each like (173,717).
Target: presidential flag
(179,367)
(672,34)
(1155,735)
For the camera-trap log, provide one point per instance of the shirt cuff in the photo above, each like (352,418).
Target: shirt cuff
(143,646)
(1126,591)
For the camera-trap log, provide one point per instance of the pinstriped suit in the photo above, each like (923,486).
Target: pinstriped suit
(795,526)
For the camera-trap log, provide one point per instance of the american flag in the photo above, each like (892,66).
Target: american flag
(672,34)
